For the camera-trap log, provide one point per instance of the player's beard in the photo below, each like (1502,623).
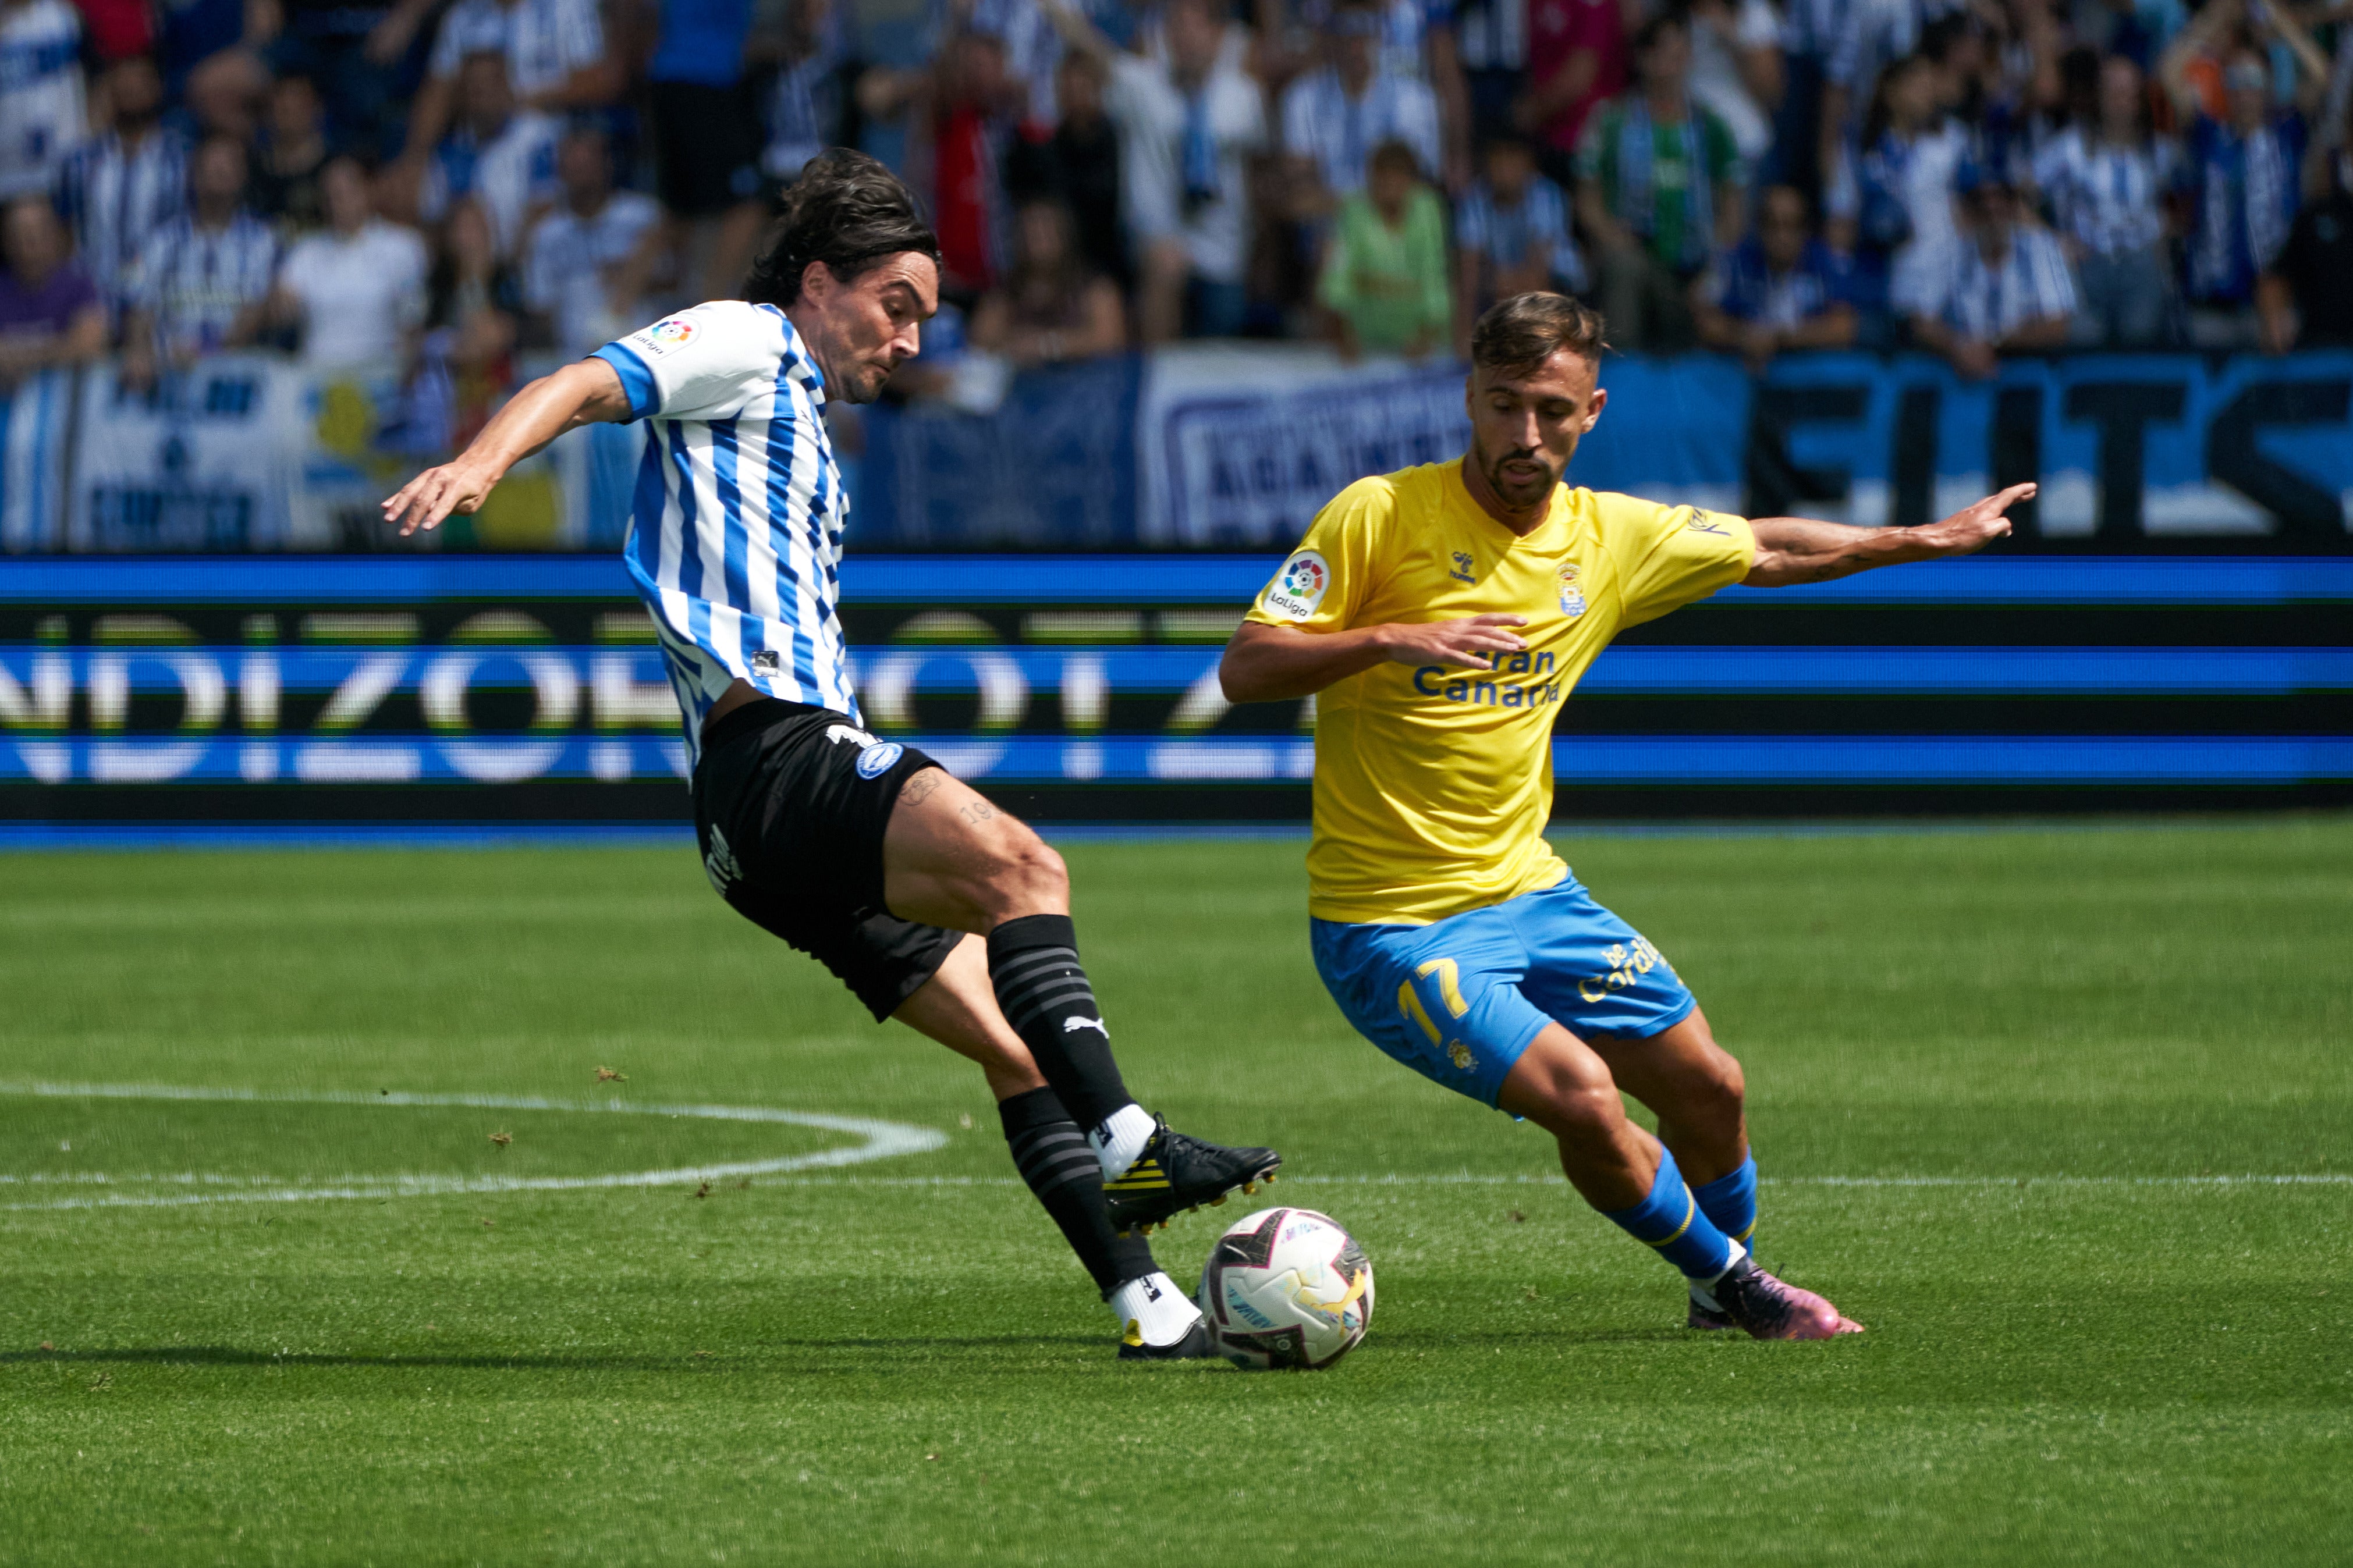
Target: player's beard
(1518,494)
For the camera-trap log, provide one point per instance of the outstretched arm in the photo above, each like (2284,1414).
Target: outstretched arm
(1267,663)
(1079,34)
(1791,549)
(585,392)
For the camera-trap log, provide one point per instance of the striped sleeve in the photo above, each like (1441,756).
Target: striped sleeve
(454,37)
(1471,224)
(2054,286)
(579,33)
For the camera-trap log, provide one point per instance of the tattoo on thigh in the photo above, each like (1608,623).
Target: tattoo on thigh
(919,789)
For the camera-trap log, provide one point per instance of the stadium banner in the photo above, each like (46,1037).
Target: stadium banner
(252,453)
(285,692)
(1240,445)
(1224,445)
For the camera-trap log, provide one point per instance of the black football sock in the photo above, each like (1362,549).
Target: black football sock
(1033,962)
(1060,1169)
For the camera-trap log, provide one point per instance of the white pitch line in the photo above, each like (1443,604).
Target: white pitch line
(1473,1179)
(883,1140)
(1465,1178)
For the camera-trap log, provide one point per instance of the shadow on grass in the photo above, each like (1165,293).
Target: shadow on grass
(232,1356)
(1444,1339)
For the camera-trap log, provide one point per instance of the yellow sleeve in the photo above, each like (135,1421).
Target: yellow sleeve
(1328,579)
(1681,554)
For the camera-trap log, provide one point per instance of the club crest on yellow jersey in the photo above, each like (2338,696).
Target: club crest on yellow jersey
(1572,596)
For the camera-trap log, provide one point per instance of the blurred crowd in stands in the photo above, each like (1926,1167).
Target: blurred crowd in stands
(440,185)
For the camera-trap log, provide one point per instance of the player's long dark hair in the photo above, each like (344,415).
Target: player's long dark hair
(846,210)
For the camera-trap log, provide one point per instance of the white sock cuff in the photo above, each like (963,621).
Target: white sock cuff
(1121,1139)
(1162,1313)
(1703,1290)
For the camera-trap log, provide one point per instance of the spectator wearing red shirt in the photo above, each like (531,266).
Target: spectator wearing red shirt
(1578,58)
(972,120)
(116,29)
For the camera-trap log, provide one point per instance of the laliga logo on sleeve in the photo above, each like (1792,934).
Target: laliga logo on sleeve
(876,759)
(665,337)
(1300,586)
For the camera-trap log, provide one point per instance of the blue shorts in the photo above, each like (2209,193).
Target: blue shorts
(1460,1000)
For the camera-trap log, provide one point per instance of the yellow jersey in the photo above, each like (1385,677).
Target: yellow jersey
(1433,784)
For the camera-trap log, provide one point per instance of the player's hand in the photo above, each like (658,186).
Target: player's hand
(1970,529)
(1463,644)
(459,487)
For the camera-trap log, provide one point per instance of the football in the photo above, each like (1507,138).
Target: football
(1287,1288)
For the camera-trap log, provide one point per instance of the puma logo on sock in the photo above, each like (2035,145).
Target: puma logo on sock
(1072,1025)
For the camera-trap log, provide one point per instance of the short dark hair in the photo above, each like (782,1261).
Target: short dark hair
(1647,35)
(1396,155)
(846,210)
(1520,334)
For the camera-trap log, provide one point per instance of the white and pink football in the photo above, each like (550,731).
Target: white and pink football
(1286,1287)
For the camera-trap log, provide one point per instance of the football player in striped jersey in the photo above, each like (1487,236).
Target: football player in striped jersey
(931,904)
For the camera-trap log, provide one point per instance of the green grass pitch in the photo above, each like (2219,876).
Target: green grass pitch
(1996,1079)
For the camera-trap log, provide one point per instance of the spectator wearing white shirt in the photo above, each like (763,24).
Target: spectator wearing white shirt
(1334,116)
(356,287)
(203,281)
(120,187)
(503,160)
(2106,184)
(1511,233)
(554,50)
(1737,70)
(2001,288)
(1188,127)
(41,114)
(579,270)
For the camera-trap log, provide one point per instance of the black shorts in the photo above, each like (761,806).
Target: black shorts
(707,143)
(790,805)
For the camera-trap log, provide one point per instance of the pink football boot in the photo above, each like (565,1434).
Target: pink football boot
(1768,1309)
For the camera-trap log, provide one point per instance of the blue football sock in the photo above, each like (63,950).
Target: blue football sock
(1669,1220)
(1730,1203)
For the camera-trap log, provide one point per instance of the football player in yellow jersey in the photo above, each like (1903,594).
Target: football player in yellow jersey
(1440,616)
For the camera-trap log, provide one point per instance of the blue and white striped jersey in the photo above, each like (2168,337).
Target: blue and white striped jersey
(1987,302)
(735,537)
(41,117)
(1321,121)
(115,200)
(544,41)
(197,281)
(2105,196)
(1533,228)
(1491,35)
